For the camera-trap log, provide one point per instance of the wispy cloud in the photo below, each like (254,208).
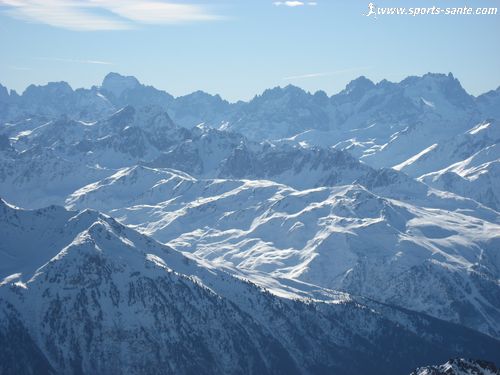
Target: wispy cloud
(90,15)
(96,62)
(294,3)
(310,75)
(326,74)
(20,68)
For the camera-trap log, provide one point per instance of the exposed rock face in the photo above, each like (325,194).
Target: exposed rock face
(460,366)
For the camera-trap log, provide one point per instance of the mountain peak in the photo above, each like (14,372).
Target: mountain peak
(359,86)
(446,84)
(4,93)
(279,92)
(437,78)
(117,83)
(52,88)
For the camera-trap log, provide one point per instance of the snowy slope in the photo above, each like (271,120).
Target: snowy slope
(457,148)
(110,300)
(459,366)
(38,177)
(44,164)
(220,154)
(477,177)
(420,125)
(345,237)
(70,154)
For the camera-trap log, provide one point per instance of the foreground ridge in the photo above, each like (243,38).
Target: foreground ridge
(105,299)
(460,366)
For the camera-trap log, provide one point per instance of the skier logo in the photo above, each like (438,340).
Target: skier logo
(371,10)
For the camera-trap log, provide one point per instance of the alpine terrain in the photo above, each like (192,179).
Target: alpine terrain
(295,233)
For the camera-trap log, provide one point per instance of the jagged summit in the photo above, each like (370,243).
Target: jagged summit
(4,94)
(447,85)
(116,83)
(358,87)
(279,91)
(51,88)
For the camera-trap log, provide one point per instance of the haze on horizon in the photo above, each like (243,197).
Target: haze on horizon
(238,49)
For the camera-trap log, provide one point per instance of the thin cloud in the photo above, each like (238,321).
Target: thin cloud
(325,74)
(96,62)
(310,75)
(294,3)
(158,12)
(88,15)
(20,68)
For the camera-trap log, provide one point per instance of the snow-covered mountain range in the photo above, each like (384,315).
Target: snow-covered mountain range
(296,232)
(93,296)
(346,237)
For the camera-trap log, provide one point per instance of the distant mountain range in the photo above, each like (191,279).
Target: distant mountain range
(294,233)
(403,125)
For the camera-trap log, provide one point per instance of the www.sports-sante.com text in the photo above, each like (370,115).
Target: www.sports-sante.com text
(374,10)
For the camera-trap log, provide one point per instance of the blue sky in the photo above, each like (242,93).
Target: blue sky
(239,48)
